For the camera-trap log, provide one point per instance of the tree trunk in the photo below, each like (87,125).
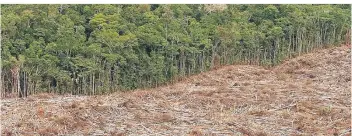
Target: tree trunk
(15,80)
(214,52)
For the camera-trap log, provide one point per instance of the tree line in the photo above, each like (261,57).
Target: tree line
(98,49)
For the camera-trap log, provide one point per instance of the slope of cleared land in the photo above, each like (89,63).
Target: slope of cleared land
(307,95)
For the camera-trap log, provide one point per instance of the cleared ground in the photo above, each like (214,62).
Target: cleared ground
(308,95)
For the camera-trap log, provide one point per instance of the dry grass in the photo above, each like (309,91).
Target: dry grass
(308,95)
(44,96)
(195,133)
(282,77)
(165,117)
(48,131)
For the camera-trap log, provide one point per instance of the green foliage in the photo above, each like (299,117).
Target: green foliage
(95,49)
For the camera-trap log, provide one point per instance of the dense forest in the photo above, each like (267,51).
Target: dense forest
(98,49)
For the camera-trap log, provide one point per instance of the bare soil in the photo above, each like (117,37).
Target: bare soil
(307,95)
